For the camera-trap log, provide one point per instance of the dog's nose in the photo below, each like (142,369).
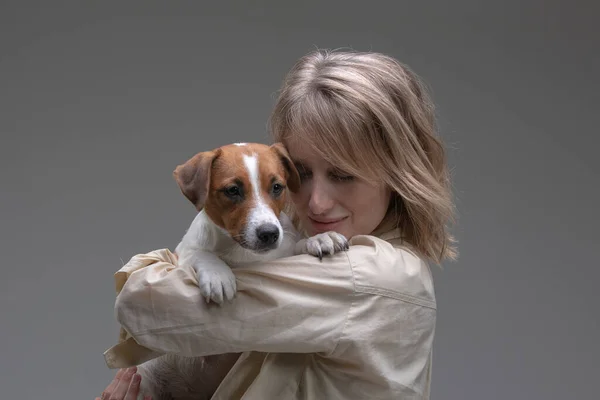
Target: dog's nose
(267,233)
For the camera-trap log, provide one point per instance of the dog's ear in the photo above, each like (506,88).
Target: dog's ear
(193,177)
(293,178)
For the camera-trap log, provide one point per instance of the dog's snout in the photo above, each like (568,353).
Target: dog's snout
(267,233)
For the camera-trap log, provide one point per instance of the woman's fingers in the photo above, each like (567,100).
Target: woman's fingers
(123,384)
(112,385)
(134,387)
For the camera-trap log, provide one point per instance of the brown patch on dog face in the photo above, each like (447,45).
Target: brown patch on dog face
(291,173)
(230,197)
(275,179)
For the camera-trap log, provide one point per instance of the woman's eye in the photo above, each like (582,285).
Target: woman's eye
(342,178)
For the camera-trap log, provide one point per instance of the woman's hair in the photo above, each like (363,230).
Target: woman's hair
(370,115)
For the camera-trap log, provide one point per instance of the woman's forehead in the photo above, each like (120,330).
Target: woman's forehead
(301,151)
(304,157)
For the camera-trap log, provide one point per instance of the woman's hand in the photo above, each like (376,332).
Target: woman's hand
(125,386)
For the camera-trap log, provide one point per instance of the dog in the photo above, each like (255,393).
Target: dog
(239,191)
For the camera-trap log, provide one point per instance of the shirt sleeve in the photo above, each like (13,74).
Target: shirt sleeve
(296,304)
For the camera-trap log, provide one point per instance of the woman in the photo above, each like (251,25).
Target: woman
(359,324)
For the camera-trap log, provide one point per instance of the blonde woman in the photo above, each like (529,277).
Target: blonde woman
(359,324)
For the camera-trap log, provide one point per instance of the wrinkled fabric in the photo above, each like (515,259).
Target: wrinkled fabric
(357,325)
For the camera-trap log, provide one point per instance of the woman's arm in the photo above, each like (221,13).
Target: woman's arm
(294,304)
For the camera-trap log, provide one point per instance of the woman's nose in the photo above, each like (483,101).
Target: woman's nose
(320,200)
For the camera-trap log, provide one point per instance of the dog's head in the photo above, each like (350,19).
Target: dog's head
(242,188)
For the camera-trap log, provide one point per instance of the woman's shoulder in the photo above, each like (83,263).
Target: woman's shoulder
(387,265)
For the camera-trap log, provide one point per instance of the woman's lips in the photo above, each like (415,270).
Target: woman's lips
(324,225)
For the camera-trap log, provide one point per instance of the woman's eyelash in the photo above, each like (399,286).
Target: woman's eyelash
(337,176)
(343,178)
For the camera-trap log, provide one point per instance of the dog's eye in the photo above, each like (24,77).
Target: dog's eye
(232,191)
(277,188)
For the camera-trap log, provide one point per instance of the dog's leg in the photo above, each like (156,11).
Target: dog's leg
(197,250)
(155,379)
(215,278)
(203,379)
(172,377)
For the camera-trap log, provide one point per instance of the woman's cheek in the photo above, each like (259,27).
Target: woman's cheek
(300,200)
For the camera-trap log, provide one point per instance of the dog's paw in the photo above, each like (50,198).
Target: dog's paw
(323,244)
(216,283)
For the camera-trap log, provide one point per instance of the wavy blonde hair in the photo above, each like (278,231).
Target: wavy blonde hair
(371,116)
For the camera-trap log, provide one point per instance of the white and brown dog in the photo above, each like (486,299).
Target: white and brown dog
(239,191)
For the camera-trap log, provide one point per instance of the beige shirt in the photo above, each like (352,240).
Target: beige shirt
(357,325)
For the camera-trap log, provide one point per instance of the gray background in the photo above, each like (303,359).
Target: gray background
(100,102)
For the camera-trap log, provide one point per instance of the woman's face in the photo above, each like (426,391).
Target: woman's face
(331,200)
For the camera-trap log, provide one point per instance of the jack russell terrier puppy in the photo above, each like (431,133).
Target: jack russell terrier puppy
(239,191)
